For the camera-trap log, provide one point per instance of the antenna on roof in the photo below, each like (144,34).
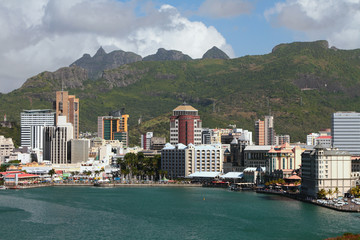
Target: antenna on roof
(62,84)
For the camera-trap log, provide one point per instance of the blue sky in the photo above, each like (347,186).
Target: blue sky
(45,35)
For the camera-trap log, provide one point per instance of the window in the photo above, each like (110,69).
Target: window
(283,163)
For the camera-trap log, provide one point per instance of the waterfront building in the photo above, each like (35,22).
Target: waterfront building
(181,160)
(281,139)
(185,125)
(68,106)
(114,127)
(324,168)
(6,148)
(283,157)
(32,123)
(346,131)
(259,133)
(57,142)
(146,140)
(256,156)
(79,150)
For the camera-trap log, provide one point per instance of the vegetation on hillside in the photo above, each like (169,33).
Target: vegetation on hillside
(301,84)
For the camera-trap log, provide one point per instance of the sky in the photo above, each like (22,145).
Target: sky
(45,35)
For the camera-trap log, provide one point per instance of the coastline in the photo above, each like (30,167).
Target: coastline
(297,197)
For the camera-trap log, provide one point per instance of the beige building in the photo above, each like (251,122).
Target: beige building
(283,157)
(324,168)
(80,150)
(181,160)
(6,147)
(68,105)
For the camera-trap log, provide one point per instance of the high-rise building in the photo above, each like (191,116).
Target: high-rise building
(57,142)
(259,133)
(185,125)
(269,131)
(114,127)
(146,140)
(32,126)
(68,105)
(346,131)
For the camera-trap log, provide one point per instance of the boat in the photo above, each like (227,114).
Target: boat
(2,187)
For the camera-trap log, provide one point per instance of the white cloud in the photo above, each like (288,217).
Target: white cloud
(225,8)
(39,35)
(332,20)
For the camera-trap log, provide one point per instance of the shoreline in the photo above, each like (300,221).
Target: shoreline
(299,198)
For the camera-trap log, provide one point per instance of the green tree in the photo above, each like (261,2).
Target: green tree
(330,193)
(52,172)
(321,194)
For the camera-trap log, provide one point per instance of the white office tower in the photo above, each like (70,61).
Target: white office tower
(57,142)
(311,138)
(346,131)
(32,126)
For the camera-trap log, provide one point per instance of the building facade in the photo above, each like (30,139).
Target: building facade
(185,125)
(80,150)
(32,126)
(281,139)
(6,148)
(146,140)
(114,127)
(346,131)
(259,133)
(57,142)
(326,169)
(283,157)
(181,160)
(68,106)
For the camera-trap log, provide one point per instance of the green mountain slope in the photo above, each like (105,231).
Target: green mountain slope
(300,83)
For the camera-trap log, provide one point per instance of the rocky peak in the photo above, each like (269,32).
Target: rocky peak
(215,52)
(167,55)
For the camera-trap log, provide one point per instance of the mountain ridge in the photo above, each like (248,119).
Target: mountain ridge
(300,83)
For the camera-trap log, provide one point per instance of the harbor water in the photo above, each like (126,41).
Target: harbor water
(164,213)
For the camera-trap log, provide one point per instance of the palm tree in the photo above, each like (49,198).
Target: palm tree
(321,193)
(52,172)
(336,191)
(330,193)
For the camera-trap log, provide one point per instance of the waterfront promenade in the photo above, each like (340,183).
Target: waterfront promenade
(349,207)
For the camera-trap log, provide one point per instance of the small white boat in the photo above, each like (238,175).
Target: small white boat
(2,187)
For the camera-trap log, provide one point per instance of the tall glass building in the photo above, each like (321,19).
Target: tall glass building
(346,131)
(32,126)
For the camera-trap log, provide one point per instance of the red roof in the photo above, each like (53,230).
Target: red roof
(324,137)
(24,175)
(10,172)
(294,177)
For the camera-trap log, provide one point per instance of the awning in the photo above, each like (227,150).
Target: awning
(204,175)
(233,175)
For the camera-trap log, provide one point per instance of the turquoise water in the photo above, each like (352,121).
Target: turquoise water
(163,213)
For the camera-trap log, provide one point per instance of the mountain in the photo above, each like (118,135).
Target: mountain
(301,83)
(167,55)
(102,61)
(215,53)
